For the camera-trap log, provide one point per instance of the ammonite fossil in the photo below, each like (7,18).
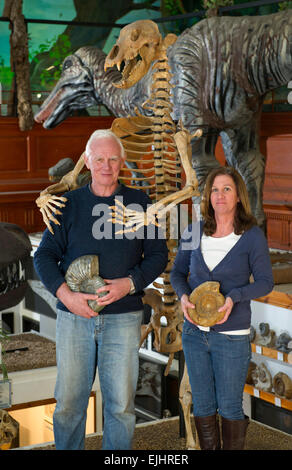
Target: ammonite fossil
(251,367)
(267,337)
(264,329)
(282,385)
(262,377)
(252,334)
(83,276)
(282,342)
(207,300)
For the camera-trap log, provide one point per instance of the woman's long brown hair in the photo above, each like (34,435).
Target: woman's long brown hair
(243,219)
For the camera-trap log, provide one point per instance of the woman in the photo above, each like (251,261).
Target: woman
(229,250)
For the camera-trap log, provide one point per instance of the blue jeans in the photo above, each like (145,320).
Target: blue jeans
(111,343)
(217,365)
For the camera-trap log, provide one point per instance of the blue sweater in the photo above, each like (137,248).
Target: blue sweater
(250,255)
(84,230)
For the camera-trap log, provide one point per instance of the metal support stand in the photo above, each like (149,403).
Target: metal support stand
(181,364)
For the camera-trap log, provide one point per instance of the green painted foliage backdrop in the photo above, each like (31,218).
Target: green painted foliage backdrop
(50,44)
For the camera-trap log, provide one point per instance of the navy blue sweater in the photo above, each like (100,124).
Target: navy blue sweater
(250,255)
(84,230)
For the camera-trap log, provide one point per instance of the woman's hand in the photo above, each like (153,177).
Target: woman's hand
(185,304)
(116,288)
(227,307)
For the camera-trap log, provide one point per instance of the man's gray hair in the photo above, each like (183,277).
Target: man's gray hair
(103,134)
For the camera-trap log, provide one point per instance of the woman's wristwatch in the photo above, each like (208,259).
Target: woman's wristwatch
(133,288)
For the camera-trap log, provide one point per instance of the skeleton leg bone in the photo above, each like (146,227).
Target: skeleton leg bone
(185,398)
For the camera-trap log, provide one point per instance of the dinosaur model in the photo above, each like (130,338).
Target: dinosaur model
(222,68)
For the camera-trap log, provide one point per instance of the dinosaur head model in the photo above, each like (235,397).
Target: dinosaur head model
(84,83)
(15,248)
(138,46)
(74,90)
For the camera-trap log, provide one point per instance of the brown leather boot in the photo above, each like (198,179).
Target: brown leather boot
(208,432)
(233,433)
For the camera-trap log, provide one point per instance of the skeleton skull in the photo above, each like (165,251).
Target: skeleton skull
(8,429)
(141,38)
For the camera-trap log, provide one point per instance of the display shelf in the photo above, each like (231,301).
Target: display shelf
(271,353)
(274,309)
(269,397)
(277,298)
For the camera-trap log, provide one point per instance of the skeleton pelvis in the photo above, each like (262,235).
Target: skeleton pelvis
(167,339)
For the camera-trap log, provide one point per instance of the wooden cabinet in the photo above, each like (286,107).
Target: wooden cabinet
(279,224)
(276,145)
(25,158)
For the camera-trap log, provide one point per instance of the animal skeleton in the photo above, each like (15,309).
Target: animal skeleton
(133,220)
(186,399)
(132,43)
(222,69)
(159,134)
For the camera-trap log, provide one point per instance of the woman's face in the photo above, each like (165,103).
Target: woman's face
(224,196)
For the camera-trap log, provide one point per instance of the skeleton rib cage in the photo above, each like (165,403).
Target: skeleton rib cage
(162,178)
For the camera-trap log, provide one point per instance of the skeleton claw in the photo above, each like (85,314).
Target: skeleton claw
(132,220)
(47,221)
(47,202)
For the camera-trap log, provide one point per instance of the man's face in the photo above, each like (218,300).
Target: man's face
(105,162)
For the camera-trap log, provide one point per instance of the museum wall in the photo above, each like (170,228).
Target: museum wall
(25,158)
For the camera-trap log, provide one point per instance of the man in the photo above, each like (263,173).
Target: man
(108,340)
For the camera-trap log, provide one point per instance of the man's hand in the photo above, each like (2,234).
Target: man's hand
(76,302)
(116,288)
